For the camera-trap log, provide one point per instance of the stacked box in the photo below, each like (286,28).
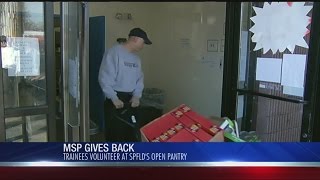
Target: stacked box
(160,130)
(206,124)
(181,125)
(183,136)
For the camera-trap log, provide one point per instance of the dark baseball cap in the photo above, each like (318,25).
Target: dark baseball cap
(138,32)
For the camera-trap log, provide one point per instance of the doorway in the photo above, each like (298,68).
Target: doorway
(27,100)
(185,62)
(40,97)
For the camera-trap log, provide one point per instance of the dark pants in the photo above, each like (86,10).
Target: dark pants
(117,130)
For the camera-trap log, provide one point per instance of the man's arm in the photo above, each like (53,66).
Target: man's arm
(140,84)
(107,74)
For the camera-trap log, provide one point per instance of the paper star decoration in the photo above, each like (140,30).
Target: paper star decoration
(280,25)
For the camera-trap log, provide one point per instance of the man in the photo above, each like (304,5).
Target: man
(121,80)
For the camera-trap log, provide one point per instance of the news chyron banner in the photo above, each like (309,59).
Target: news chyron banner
(153,153)
(117,152)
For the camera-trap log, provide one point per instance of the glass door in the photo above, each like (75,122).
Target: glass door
(273,95)
(27,88)
(75,67)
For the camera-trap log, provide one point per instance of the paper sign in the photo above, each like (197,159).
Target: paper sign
(280,26)
(268,69)
(185,43)
(293,70)
(8,54)
(23,56)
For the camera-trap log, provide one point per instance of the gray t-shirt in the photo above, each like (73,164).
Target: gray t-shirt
(121,71)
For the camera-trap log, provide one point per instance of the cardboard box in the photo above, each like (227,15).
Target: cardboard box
(196,117)
(206,123)
(184,136)
(181,117)
(159,126)
(201,134)
(164,129)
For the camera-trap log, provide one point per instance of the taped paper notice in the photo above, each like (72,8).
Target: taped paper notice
(22,56)
(269,70)
(280,26)
(8,55)
(293,70)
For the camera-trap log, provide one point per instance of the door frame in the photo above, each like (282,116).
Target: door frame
(311,116)
(50,108)
(81,131)
(231,56)
(314,81)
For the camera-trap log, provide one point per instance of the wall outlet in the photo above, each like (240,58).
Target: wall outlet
(212,45)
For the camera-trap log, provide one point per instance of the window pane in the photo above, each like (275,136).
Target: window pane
(14,129)
(273,59)
(23,54)
(26,128)
(273,120)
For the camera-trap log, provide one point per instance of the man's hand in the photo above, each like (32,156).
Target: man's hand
(135,101)
(117,103)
